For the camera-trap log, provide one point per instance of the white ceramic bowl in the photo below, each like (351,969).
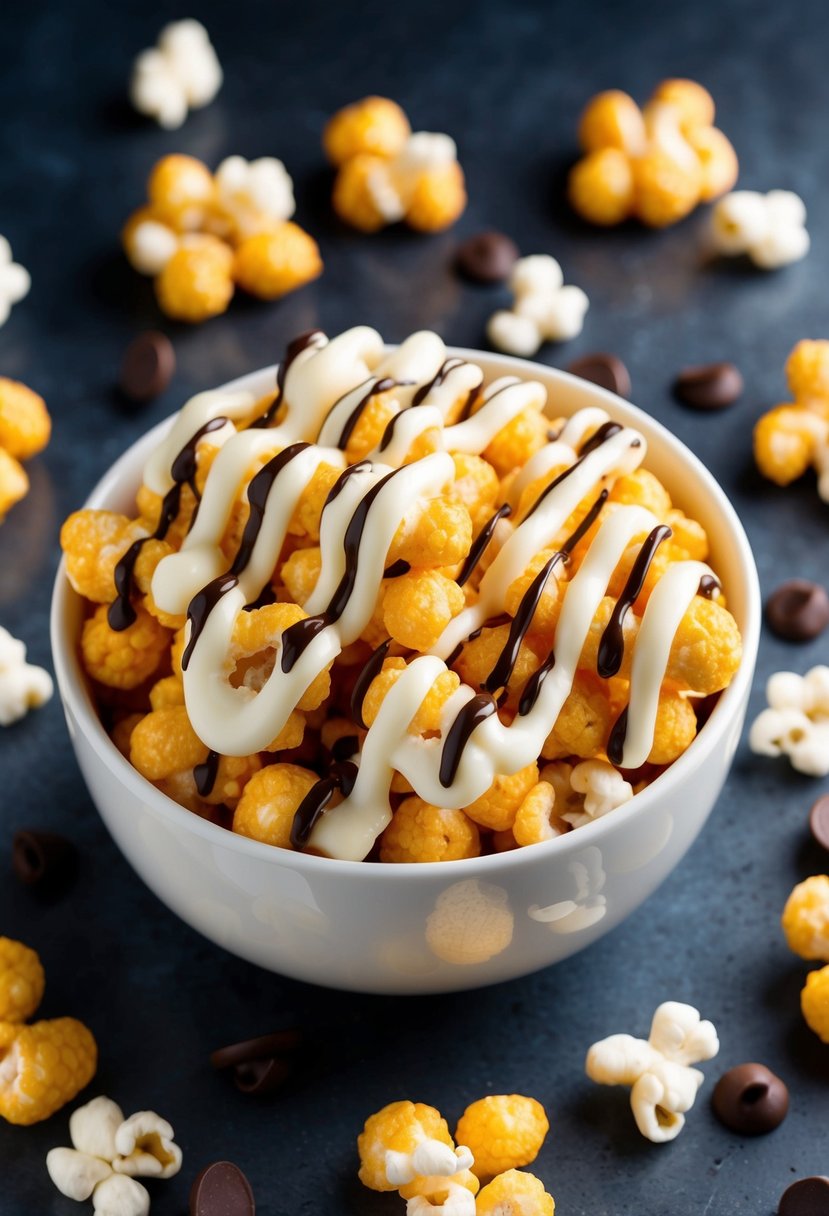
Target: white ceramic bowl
(442,926)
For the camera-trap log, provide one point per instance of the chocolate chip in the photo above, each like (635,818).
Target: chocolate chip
(607,371)
(281,1042)
(147,367)
(259,1077)
(709,387)
(750,1100)
(806,1197)
(221,1189)
(798,610)
(819,822)
(43,860)
(487,257)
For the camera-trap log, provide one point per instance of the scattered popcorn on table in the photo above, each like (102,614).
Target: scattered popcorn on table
(796,724)
(386,174)
(22,685)
(544,309)
(663,1085)
(769,228)
(503,1131)
(515,1193)
(108,1153)
(655,164)
(181,73)
(202,235)
(806,918)
(25,429)
(14,281)
(814,1002)
(792,438)
(21,981)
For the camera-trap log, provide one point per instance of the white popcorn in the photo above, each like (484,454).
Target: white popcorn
(22,685)
(544,309)
(120,1196)
(663,1085)
(458,1201)
(796,724)
(770,228)
(392,183)
(604,789)
(14,281)
(76,1174)
(151,245)
(248,190)
(145,1147)
(181,73)
(430,1158)
(92,1128)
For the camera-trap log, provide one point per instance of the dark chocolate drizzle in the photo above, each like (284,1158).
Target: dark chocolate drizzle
(606,431)
(296,347)
(612,642)
(480,543)
(341,776)
(477,710)
(345,747)
(121,613)
(440,375)
(370,669)
(376,386)
(709,585)
(616,742)
(205,774)
(397,569)
(533,686)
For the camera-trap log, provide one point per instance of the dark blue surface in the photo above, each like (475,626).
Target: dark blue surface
(508,82)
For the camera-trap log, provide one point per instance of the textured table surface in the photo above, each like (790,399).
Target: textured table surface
(507,80)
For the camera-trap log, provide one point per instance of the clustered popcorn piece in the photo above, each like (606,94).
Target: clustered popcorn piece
(544,309)
(386,173)
(201,235)
(14,281)
(23,686)
(792,438)
(407,1147)
(662,1082)
(796,723)
(43,1065)
(769,228)
(109,1153)
(25,428)
(656,164)
(806,926)
(181,73)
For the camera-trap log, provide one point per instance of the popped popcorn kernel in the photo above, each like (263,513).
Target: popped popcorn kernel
(356,189)
(397,1128)
(537,818)
(164,743)
(515,1193)
(438,199)
(42,1067)
(693,102)
(375,125)
(148,241)
(814,1002)
(421,832)
(806,918)
(503,1131)
(271,264)
(675,729)
(785,442)
(253,196)
(807,370)
(718,162)
(300,573)
(497,808)
(664,191)
(181,72)
(418,606)
(14,482)
(94,542)
(769,228)
(15,281)
(253,650)
(127,658)
(600,187)
(269,802)
(612,120)
(196,283)
(22,981)
(179,190)
(438,534)
(25,425)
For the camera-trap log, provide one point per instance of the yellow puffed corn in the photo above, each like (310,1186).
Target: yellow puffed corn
(94,542)
(612,119)
(497,808)
(397,1128)
(180,190)
(197,281)
(270,800)
(806,918)
(421,832)
(807,371)
(600,187)
(126,658)
(357,196)
(418,606)
(791,438)
(14,483)
(255,635)
(25,425)
(375,125)
(271,264)
(814,1001)
(439,535)
(515,1193)
(536,819)
(164,745)
(42,1067)
(21,981)
(502,1131)
(438,199)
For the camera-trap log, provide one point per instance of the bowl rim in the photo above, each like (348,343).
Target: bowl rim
(78,701)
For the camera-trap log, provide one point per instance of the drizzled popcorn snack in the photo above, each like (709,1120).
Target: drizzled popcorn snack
(769,228)
(22,685)
(796,723)
(25,428)
(654,164)
(662,1082)
(14,281)
(108,1153)
(181,73)
(386,173)
(404,591)
(42,1065)
(201,235)
(794,437)
(544,309)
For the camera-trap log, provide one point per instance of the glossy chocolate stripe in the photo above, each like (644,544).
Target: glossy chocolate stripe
(205,774)
(294,348)
(616,742)
(341,777)
(480,543)
(440,375)
(371,668)
(612,642)
(476,711)
(376,386)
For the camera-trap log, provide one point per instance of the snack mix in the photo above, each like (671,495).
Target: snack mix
(22,685)
(201,235)
(406,1147)
(181,73)
(109,1153)
(655,164)
(793,438)
(409,606)
(386,173)
(42,1065)
(25,428)
(544,309)
(796,723)
(663,1085)
(769,228)
(14,281)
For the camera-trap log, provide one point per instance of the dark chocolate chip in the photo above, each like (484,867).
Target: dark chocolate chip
(750,1100)
(147,367)
(608,371)
(280,1043)
(221,1189)
(487,257)
(709,387)
(43,859)
(798,610)
(806,1197)
(258,1077)
(819,822)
